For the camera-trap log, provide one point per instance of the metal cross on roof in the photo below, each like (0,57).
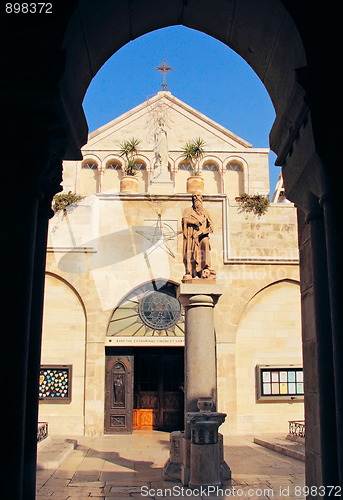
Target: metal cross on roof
(164,68)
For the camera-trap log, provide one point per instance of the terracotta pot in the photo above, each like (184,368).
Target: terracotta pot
(195,185)
(128,184)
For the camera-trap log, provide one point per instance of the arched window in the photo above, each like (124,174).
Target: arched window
(234,180)
(186,166)
(112,175)
(210,167)
(233,167)
(113,165)
(151,309)
(211,175)
(90,177)
(90,165)
(140,166)
(142,175)
(183,171)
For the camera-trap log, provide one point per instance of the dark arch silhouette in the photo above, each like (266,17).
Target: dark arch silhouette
(48,63)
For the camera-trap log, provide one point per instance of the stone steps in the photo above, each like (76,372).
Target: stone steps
(52,451)
(293,449)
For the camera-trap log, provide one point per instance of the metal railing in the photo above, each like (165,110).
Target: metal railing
(297,428)
(42,431)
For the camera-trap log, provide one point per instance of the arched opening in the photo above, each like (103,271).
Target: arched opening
(212,176)
(268,333)
(236,177)
(264,34)
(89,175)
(142,174)
(148,311)
(291,90)
(113,173)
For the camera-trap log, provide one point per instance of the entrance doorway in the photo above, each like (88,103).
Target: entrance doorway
(144,389)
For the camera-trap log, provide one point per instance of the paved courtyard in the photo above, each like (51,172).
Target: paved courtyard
(130,466)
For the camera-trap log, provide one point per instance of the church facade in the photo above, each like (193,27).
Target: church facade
(113,330)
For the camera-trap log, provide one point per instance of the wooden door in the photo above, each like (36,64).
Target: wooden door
(119,395)
(158,389)
(147,380)
(171,391)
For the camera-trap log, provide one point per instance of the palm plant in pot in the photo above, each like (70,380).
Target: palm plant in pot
(129,150)
(193,152)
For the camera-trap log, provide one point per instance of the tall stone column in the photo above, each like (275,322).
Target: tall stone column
(196,455)
(321,438)
(51,185)
(334,272)
(200,344)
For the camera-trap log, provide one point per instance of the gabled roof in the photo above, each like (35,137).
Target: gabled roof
(183,123)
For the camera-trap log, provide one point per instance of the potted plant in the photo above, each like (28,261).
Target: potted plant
(129,150)
(257,203)
(64,200)
(192,152)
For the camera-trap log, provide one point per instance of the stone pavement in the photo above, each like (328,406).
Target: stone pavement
(124,467)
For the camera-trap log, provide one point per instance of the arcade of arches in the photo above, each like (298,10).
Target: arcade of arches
(49,63)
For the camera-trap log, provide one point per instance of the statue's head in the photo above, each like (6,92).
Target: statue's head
(197,201)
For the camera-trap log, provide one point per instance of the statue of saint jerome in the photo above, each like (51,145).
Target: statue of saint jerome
(197,226)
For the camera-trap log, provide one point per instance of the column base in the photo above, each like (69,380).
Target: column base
(178,466)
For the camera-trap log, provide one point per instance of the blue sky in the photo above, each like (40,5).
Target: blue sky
(207,75)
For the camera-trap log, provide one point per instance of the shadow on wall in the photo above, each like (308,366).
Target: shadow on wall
(112,248)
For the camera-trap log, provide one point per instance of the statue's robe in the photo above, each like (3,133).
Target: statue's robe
(196,244)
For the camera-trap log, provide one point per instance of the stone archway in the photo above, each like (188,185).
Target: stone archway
(270,342)
(50,62)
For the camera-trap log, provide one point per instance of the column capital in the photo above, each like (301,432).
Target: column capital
(200,294)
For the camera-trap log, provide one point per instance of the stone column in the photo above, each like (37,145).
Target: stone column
(34,352)
(196,456)
(18,276)
(321,463)
(334,273)
(199,299)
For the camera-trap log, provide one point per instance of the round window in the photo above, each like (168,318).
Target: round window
(159,310)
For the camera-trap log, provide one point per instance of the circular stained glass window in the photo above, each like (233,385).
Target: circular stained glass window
(159,310)
(149,310)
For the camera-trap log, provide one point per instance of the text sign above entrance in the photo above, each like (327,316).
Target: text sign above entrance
(155,340)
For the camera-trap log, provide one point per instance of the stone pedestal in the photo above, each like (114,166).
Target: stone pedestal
(196,455)
(161,183)
(205,449)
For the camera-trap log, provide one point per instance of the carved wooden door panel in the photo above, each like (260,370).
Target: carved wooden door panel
(147,407)
(172,394)
(119,394)
(158,385)
(172,411)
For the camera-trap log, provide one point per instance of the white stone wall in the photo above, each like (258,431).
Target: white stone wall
(63,342)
